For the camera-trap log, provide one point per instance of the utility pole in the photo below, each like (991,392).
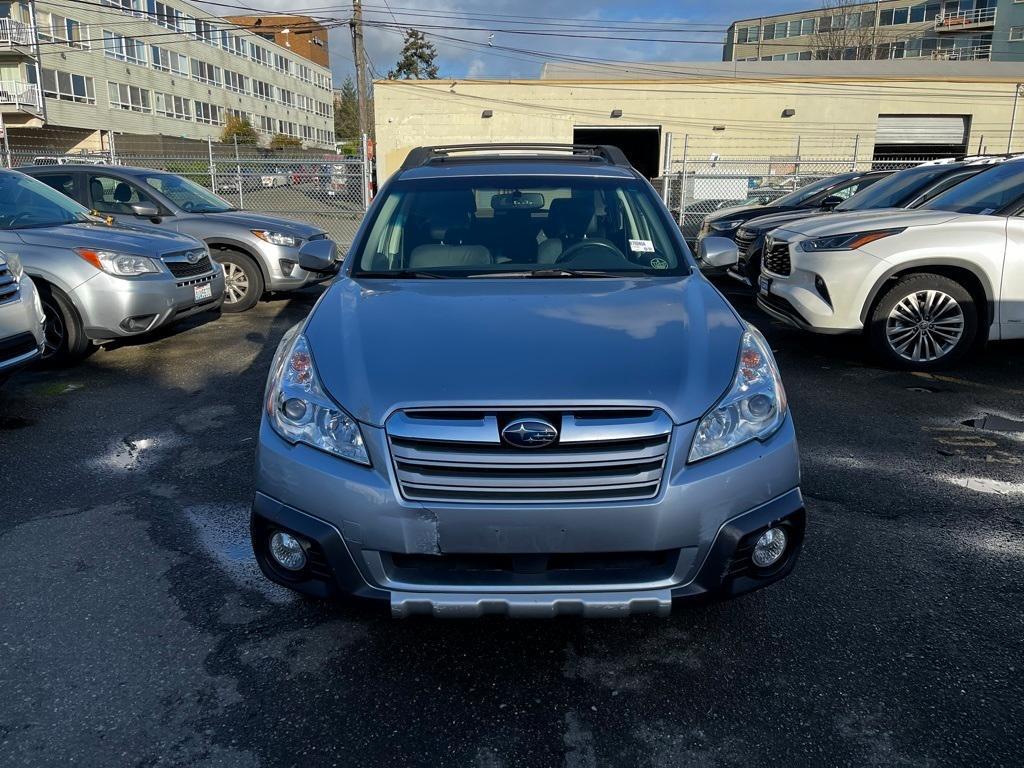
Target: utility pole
(356,25)
(1018,91)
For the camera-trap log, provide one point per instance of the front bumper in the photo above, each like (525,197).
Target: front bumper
(113,307)
(21,328)
(283,270)
(690,539)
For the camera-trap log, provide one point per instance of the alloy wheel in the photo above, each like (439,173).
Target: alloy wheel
(925,326)
(236,283)
(54,331)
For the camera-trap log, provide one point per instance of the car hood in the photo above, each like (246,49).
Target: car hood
(258,221)
(764,224)
(747,212)
(141,241)
(854,221)
(380,345)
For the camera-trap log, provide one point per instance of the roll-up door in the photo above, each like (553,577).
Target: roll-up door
(947,130)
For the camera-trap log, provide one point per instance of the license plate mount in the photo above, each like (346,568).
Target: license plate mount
(204,292)
(764,285)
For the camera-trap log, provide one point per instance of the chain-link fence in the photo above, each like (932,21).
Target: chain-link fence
(702,177)
(331,191)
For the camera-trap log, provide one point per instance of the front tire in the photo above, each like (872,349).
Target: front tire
(64,341)
(243,282)
(924,322)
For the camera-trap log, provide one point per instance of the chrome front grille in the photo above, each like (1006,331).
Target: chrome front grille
(182,264)
(459,456)
(743,240)
(776,257)
(8,285)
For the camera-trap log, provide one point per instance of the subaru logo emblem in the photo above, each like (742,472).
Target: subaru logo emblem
(529,433)
(194,257)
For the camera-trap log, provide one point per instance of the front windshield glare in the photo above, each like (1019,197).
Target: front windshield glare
(186,194)
(26,203)
(985,193)
(519,225)
(806,192)
(892,191)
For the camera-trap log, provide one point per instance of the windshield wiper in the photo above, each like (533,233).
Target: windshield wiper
(407,274)
(553,272)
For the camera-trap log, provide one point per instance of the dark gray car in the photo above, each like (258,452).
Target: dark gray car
(259,253)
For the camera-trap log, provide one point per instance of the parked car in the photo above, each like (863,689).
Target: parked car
(98,280)
(823,194)
(21,317)
(908,188)
(247,182)
(277,178)
(259,253)
(521,396)
(923,285)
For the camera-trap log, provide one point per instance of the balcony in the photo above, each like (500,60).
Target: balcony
(972,53)
(15,34)
(958,21)
(18,97)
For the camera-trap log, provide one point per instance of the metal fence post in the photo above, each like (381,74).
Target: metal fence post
(682,180)
(856,150)
(666,169)
(365,150)
(796,168)
(113,149)
(213,171)
(238,175)
(7,143)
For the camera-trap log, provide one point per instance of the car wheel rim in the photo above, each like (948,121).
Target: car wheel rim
(53,332)
(925,326)
(236,283)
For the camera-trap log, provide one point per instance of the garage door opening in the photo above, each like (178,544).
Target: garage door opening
(907,138)
(642,146)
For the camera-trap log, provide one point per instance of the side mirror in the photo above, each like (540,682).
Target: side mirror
(718,252)
(146,210)
(831,202)
(319,256)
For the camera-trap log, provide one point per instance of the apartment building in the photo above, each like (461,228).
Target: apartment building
(302,35)
(887,29)
(151,68)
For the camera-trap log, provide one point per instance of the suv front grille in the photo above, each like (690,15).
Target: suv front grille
(743,240)
(180,266)
(8,286)
(776,257)
(459,456)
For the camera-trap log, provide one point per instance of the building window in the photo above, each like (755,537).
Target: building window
(1017,33)
(234,44)
(282,63)
(68,87)
(168,61)
(54,28)
(134,7)
(204,30)
(128,97)
(262,90)
(259,54)
(123,48)
(236,82)
(208,113)
(169,105)
(164,15)
(267,124)
(205,72)
(286,97)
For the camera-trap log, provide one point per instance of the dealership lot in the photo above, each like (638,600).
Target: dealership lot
(138,630)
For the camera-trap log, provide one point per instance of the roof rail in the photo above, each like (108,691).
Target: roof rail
(420,156)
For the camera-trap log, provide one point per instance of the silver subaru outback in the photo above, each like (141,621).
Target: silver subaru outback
(521,397)
(98,280)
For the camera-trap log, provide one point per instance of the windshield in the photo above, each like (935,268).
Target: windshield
(519,225)
(984,193)
(26,203)
(186,194)
(806,192)
(894,191)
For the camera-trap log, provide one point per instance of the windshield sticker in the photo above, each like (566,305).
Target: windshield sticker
(658,263)
(641,246)
(986,211)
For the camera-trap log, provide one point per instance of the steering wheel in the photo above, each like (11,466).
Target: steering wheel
(572,250)
(18,217)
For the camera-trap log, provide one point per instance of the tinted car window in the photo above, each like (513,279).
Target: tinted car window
(891,191)
(806,192)
(186,194)
(490,225)
(112,195)
(62,182)
(985,193)
(26,203)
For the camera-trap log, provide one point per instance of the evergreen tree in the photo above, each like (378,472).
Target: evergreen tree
(346,111)
(417,59)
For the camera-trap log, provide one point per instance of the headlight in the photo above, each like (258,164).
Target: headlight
(276,238)
(724,224)
(13,265)
(753,408)
(846,242)
(301,412)
(120,264)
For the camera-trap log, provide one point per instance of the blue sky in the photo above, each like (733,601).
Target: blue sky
(468,54)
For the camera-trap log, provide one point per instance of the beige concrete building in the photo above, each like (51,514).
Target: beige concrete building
(73,73)
(823,108)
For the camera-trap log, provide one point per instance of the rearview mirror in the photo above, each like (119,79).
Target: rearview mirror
(831,202)
(718,252)
(319,256)
(146,210)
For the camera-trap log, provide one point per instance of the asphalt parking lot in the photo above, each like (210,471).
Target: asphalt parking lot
(135,629)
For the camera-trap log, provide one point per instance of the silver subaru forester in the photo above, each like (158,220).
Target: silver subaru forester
(521,397)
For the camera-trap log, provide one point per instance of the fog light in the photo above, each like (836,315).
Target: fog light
(287,551)
(769,548)
(287,265)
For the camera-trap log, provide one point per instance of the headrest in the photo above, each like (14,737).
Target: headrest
(122,192)
(430,256)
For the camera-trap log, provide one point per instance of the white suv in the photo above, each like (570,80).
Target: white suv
(924,285)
